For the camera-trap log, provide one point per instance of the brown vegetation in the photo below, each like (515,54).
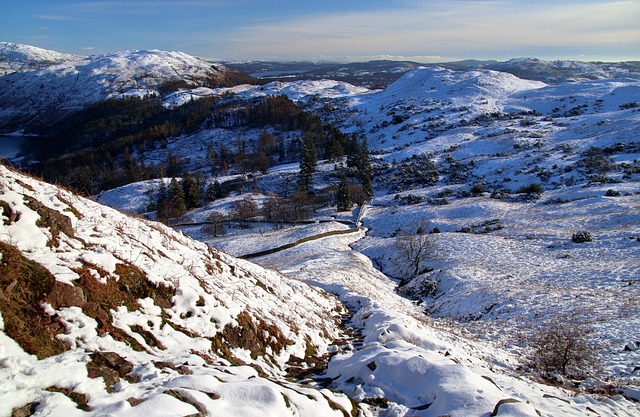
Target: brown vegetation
(24,285)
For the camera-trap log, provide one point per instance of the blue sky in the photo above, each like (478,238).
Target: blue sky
(345,30)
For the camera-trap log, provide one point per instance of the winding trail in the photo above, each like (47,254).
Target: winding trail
(309,238)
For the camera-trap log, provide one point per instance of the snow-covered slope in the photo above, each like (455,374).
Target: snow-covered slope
(408,364)
(301,92)
(456,340)
(151,321)
(67,86)
(16,57)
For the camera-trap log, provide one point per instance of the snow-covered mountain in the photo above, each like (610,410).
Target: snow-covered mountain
(16,57)
(48,93)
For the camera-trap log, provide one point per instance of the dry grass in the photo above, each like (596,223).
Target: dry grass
(249,335)
(104,297)
(25,285)
(53,220)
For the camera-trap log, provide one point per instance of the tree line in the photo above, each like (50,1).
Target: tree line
(103,146)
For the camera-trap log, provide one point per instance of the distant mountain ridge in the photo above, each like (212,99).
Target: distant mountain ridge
(381,73)
(56,90)
(560,71)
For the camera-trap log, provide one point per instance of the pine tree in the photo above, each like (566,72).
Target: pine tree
(308,163)
(364,168)
(211,155)
(177,197)
(281,149)
(335,150)
(161,205)
(344,200)
(210,193)
(191,190)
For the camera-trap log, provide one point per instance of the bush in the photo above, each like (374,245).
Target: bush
(581,237)
(478,189)
(562,347)
(613,193)
(533,188)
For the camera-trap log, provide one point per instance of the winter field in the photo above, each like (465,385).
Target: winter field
(504,173)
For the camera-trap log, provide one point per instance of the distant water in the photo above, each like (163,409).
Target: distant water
(11,145)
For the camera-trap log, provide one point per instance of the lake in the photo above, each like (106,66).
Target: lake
(11,145)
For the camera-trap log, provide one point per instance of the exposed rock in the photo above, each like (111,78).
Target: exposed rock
(52,219)
(513,407)
(65,295)
(380,402)
(25,411)
(112,360)
(110,366)
(8,214)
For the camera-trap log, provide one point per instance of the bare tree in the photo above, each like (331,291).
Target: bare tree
(245,209)
(416,249)
(215,224)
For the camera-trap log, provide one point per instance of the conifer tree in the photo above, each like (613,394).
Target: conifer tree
(281,149)
(344,199)
(191,190)
(308,163)
(177,197)
(335,150)
(157,199)
(211,155)
(364,168)
(211,192)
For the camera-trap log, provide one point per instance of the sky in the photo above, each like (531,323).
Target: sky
(332,30)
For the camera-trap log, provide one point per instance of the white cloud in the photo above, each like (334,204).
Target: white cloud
(447,28)
(54,17)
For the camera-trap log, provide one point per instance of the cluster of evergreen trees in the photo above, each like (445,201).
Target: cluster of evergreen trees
(101,146)
(185,193)
(358,166)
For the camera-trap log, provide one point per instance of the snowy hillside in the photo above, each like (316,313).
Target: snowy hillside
(190,317)
(298,91)
(127,317)
(504,265)
(15,57)
(526,195)
(54,91)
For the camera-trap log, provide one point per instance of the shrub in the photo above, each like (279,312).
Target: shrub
(582,236)
(613,193)
(533,188)
(477,189)
(562,347)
